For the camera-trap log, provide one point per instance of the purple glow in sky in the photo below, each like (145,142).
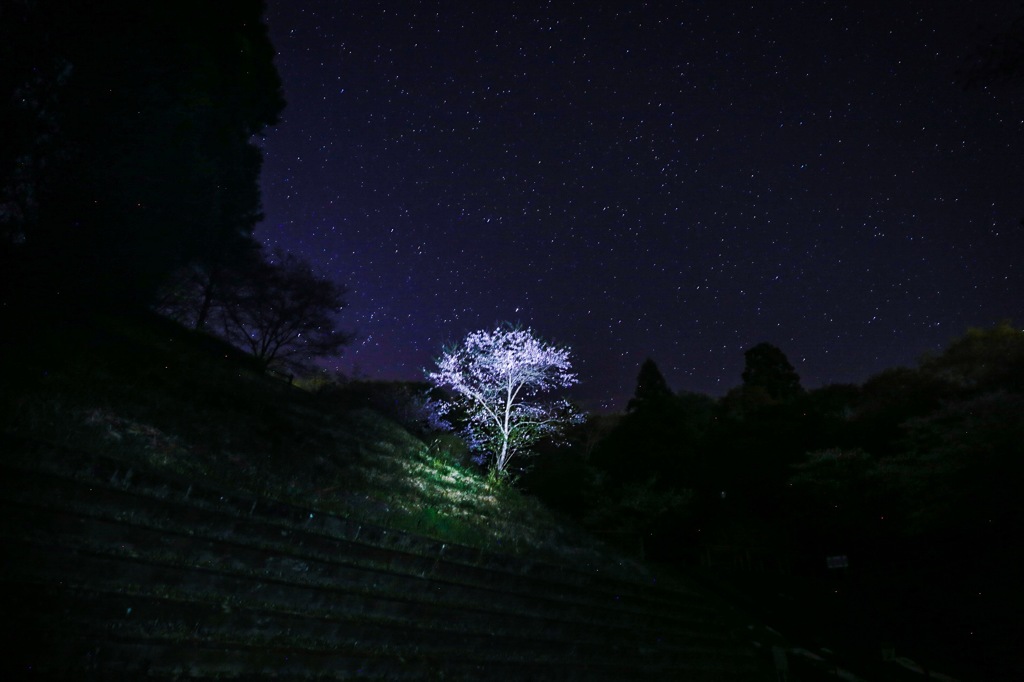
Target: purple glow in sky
(678,180)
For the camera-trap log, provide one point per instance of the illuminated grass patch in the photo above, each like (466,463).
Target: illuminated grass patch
(173,407)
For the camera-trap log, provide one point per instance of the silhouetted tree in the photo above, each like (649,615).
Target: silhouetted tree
(651,467)
(655,437)
(762,429)
(768,368)
(981,360)
(651,387)
(135,150)
(642,447)
(283,313)
(196,292)
(888,400)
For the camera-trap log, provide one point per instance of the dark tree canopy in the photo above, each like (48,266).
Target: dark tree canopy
(282,313)
(767,368)
(914,475)
(651,387)
(132,126)
(980,359)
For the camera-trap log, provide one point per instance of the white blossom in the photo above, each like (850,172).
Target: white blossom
(497,378)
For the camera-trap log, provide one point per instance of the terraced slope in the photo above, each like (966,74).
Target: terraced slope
(116,571)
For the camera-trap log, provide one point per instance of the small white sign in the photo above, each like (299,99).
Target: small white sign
(839,561)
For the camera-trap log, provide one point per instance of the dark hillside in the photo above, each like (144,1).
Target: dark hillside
(171,513)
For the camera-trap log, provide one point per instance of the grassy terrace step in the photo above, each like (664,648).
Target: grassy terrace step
(105,471)
(357,539)
(112,564)
(159,576)
(122,606)
(116,659)
(126,631)
(175,621)
(212,538)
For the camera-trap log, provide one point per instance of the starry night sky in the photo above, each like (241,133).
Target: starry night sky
(680,180)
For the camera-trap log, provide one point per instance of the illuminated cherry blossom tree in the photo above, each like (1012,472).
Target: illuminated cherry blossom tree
(496,379)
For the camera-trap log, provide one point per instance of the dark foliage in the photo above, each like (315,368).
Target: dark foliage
(914,477)
(282,313)
(277,310)
(651,387)
(132,154)
(650,468)
(767,368)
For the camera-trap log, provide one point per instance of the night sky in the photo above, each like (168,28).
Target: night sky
(678,180)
